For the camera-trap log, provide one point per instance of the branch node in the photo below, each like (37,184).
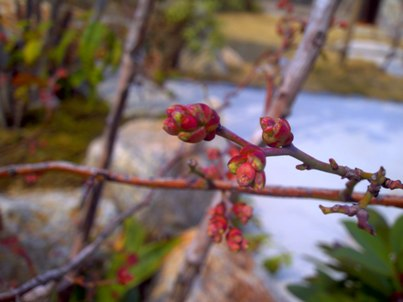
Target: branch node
(333,164)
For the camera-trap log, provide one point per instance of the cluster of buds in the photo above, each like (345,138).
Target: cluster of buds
(219,226)
(192,123)
(248,167)
(235,240)
(242,211)
(123,274)
(276,132)
(218,223)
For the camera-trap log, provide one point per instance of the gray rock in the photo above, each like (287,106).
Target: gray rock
(226,276)
(142,149)
(44,225)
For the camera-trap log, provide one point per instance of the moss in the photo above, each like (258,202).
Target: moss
(64,137)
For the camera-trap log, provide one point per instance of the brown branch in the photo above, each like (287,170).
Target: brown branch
(305,56)
(191,184)
(134,41)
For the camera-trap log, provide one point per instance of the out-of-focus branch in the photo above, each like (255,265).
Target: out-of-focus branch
(128,69)
(305,56)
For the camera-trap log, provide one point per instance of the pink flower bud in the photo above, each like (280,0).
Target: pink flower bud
(217,226)
(235,240)
(248,165)
(245,175)
(192,123)
(235,162)
(242,211)
(276,132)
(218,209)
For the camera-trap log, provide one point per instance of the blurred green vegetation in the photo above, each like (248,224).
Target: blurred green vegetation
(371,270)
(64,136)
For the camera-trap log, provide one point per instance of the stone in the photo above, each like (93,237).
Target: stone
(142,149)
(226,276)
(37,229)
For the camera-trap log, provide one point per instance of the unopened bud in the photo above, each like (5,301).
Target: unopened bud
(276,132)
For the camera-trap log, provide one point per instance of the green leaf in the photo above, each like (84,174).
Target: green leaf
(60,51)
(32,50)
(381,226)
(396,235)
(375,253)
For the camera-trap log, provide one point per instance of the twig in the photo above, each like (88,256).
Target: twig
(191,184)
(134,42)
(305,56)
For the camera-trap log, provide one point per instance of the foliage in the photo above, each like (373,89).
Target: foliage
(274,263)
(63,137)
(50,60)
(135,256)
(179,25)
(371,271)
(239,5)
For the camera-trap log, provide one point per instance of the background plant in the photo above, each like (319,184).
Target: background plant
(370,270)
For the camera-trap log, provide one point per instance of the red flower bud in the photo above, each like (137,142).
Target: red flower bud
(213,153)
(217,226)
(248,165)
(235,240)
(242,211)
(245,175)
(235,162)
(191,123)
(218,209)
(124,276)
(276,132)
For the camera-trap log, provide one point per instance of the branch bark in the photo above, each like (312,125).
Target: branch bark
(128,70)
(308,50)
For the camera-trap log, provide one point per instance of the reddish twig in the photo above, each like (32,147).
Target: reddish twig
(128,70)
(191,184)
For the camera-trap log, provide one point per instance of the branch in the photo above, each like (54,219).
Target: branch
(191,184)
(134,42)
(305,56)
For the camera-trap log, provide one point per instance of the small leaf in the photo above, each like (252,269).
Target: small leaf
(396,235)
(32,50)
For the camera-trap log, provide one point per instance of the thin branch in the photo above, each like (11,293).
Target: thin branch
(128,70)
(191,184)
(305,56)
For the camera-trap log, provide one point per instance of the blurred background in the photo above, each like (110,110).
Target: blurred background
(59,73)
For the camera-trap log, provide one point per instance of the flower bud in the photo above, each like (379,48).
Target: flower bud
(247,165)
(235,162)
(191,123)
(217,226)
(235,240)
(242,211)
(276,132)
(245,175)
